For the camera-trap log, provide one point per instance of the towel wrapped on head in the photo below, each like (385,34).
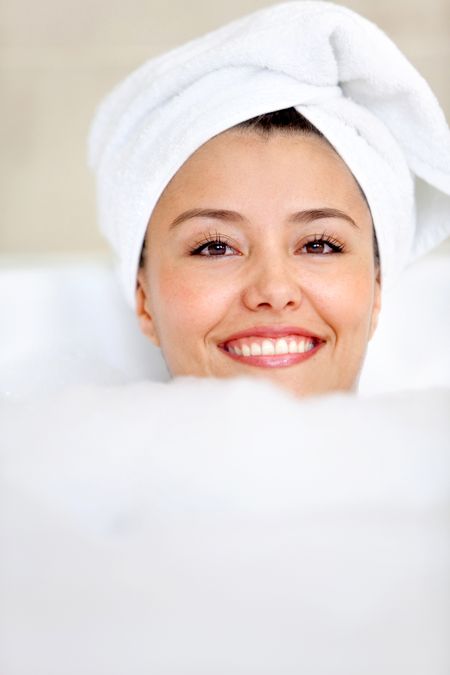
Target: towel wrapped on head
(336,68)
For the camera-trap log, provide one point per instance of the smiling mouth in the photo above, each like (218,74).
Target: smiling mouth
(269,352)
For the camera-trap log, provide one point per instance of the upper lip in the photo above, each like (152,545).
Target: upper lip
(271,332)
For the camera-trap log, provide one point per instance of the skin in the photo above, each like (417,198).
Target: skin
(272,274)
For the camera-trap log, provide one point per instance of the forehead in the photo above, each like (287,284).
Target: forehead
(245,169)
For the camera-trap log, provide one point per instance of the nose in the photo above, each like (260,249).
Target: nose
(272,284)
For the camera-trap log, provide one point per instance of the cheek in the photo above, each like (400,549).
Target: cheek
(345,302)
(190,305)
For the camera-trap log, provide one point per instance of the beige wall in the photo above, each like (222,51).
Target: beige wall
(58,59)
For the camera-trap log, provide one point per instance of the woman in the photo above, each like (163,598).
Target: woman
(300,150)
(293,292)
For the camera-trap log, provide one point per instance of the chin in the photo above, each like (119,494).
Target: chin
(302,389)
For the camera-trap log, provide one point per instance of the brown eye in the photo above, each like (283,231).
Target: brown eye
(213,248)
(321,246)
(316,247)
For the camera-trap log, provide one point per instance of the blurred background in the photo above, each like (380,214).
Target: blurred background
(60,57)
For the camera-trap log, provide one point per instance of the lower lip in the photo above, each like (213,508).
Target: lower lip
(276,360)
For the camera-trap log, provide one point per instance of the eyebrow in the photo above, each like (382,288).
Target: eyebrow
(306,216)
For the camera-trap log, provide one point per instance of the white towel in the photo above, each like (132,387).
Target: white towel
(338,69)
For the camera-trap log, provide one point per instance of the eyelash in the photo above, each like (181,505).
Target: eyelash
(216,238)
(328,239)
(210,238)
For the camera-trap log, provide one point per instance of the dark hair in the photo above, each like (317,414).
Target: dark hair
(288,119)
(291,121)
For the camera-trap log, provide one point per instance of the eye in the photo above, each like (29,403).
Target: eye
(213,247)
(322,245)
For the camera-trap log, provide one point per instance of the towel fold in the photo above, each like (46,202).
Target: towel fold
(336,68)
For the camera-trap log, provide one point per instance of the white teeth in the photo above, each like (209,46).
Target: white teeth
(267,348)
(281,347)
(255,349)
(293,349)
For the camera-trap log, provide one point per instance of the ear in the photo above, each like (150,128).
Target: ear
(143,312)
(376,305)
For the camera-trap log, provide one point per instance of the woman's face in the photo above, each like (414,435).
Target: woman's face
(260,262)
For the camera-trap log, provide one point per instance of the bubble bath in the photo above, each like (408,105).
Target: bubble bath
(204,526)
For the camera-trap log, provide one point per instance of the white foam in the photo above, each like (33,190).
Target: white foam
(174,528)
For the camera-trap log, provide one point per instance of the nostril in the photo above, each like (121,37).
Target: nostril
(272,293)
